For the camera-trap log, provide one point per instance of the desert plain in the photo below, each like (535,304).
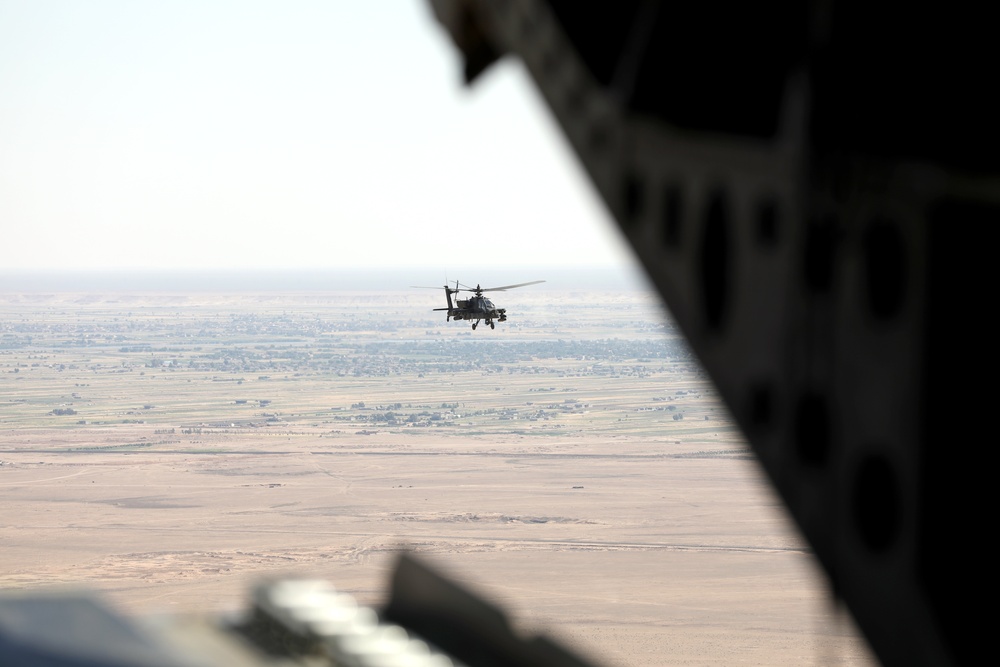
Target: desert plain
(168,450)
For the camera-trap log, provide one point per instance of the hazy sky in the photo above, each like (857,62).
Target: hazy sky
(263,135)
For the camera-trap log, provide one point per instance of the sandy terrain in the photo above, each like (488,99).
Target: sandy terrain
(635,538)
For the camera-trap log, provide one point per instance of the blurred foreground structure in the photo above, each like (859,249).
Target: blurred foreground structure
(813,189)
(429,621)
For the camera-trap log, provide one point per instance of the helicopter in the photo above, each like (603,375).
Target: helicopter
(477,307)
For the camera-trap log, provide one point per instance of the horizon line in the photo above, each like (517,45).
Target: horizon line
(305,279)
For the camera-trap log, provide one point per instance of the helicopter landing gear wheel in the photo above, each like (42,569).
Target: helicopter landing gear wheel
(474,325)
(492,326)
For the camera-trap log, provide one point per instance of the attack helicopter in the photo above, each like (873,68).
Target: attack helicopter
(477,307)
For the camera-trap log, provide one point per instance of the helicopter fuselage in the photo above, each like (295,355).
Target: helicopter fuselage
(476,308)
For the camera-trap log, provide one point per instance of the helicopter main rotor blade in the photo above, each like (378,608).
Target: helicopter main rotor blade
(506,287)
(427,287)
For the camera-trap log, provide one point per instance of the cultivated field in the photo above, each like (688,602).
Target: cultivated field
(574,465)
